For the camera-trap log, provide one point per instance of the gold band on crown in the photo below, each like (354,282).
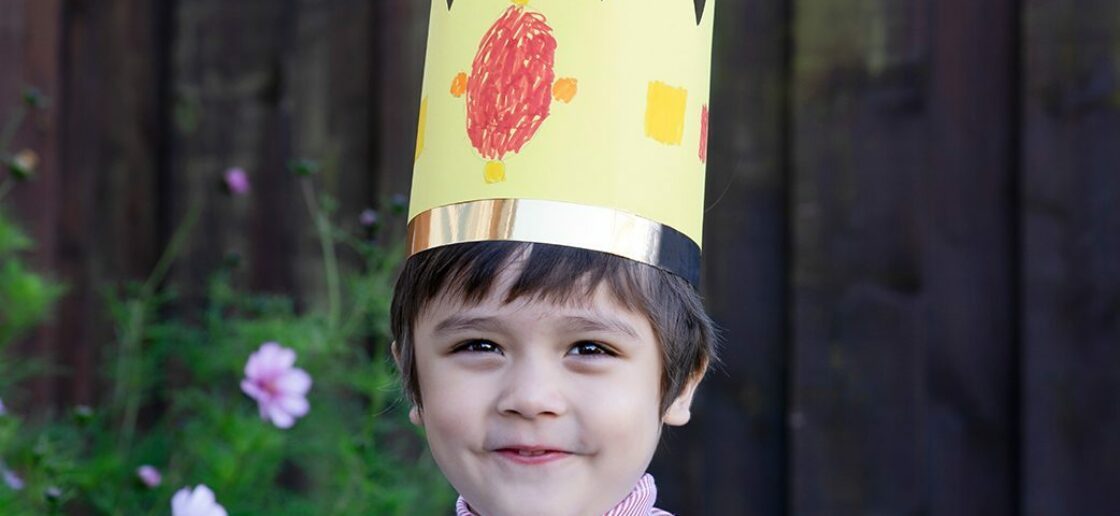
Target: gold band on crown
(561,223)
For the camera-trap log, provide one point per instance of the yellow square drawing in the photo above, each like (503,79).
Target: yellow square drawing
(665,106)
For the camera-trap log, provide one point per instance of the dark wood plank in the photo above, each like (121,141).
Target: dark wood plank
(1071,274)
(327,68)
(401,27)
(258,86)
(730,459)
(112,129)
(229,83)
(903,387)
(970,260)
(31,38)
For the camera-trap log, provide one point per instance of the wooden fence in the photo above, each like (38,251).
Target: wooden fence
(913,245)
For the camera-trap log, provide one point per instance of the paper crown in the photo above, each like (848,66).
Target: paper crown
(573,122)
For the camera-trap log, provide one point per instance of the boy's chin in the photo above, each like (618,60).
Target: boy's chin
(522,501)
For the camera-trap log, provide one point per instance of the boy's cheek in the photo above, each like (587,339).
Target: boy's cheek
(446,401)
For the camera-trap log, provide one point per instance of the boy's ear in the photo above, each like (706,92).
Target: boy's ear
(680,411)
(414,412)
(396,350)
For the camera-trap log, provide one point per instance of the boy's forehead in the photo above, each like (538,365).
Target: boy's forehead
(575,297)
(597,310)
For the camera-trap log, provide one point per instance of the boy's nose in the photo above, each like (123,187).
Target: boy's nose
(532,390)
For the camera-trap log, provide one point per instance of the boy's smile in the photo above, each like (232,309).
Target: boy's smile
(536,407)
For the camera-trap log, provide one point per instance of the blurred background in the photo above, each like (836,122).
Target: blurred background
(912,244)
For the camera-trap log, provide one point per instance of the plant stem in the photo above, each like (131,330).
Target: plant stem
(12,126)
(129,370)
(172,250)
(330,261)
(6,136)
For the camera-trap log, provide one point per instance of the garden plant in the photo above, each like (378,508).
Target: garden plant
(240,404)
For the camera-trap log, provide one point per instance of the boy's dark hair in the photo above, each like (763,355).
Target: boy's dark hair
(558,274)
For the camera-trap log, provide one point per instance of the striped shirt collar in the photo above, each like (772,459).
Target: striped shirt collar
(638,503)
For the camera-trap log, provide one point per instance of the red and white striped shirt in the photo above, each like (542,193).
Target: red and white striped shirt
(638,503)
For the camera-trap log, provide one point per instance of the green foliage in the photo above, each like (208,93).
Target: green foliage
(176,404)
(26,297)
(173,398)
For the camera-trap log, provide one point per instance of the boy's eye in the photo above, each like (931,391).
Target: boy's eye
(588,348)
(478,346)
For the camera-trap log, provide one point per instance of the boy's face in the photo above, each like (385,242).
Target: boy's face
(539,408)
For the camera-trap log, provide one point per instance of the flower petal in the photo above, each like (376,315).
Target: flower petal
(253,390)
(265,361)
(179,502)
(284,358)
(294,381)
(295,405)
(264,407)
(201,500)
(280,418)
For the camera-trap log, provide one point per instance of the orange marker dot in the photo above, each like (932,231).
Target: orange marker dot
(565,89)
(459,85)
(495,172)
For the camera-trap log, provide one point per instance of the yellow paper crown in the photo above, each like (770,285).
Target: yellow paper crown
(571,122)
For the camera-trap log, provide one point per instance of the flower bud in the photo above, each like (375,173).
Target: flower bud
(52,494)
(398,204)
(83,414)
(368,218)
(236,182)
(33,98)
(232,260)
(149,476)
(22,165)
(303,167)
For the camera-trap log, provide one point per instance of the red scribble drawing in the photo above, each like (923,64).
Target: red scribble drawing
(704,134)
(510,88)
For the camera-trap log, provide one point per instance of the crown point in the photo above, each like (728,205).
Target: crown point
(699,11)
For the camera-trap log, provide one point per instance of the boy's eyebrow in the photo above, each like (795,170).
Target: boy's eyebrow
(461,322)
(605,324)
(572,322)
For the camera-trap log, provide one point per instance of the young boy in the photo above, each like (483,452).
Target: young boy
(542,374)
(547,322)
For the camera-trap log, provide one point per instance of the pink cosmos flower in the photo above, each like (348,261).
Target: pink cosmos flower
(197,502)
(237,181)
(279,388)
(11,478)
(149,476)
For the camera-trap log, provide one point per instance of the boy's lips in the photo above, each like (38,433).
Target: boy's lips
(531,455)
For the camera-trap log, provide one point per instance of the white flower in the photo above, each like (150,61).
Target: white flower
(199,502)
(279,388)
